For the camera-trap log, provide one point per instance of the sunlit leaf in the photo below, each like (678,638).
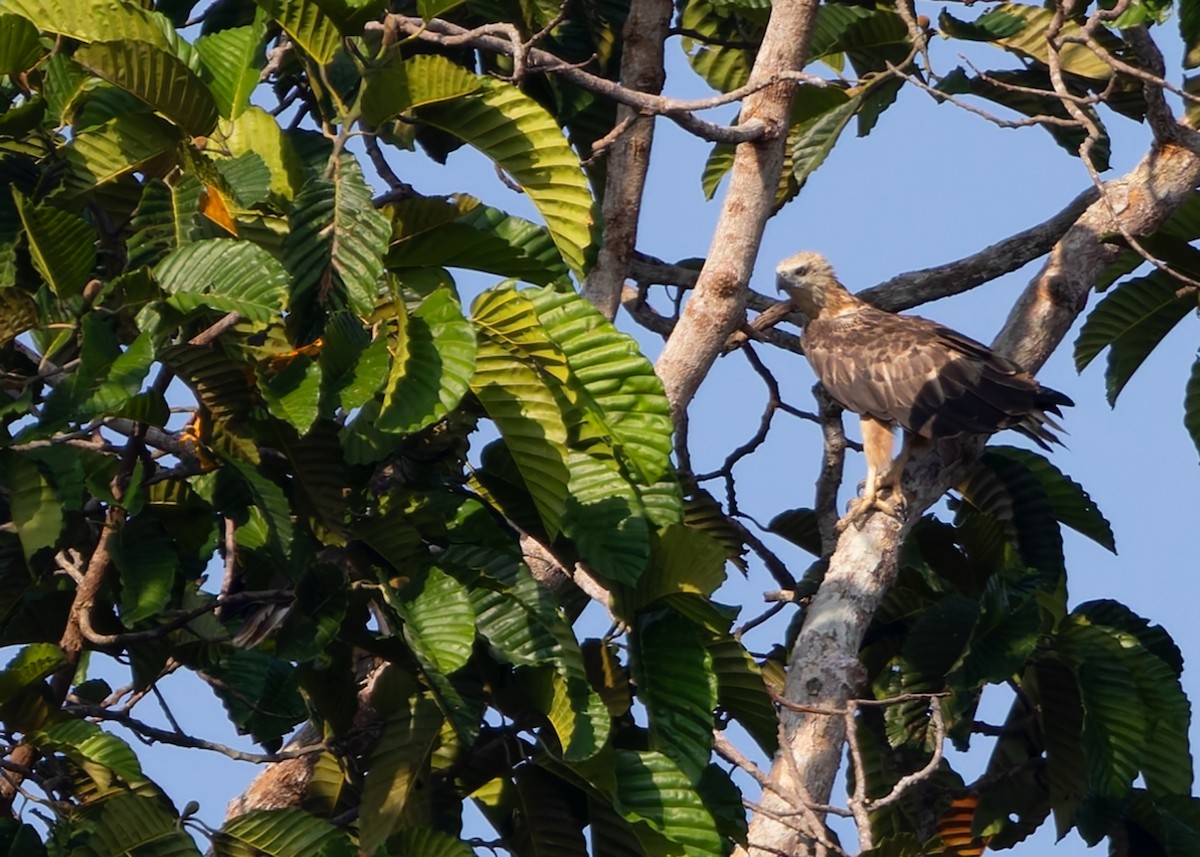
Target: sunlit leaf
(234,59)
(156,77)
(308,24)
(281,833)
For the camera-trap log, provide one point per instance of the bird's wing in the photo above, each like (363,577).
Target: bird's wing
(932,380)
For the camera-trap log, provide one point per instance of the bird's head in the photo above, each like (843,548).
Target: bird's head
(809,281)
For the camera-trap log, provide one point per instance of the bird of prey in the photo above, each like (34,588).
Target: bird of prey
(908,371)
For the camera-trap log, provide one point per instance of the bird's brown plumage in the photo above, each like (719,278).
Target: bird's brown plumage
(904,370)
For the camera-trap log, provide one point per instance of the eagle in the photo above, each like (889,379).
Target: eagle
(903,370)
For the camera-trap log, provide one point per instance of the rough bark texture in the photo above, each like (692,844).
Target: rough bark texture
(824,671)
(717,306)
(645,37)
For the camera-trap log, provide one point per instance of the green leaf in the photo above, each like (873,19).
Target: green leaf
(742,691)
(255,131)
(281,833)
(94,20)
(102,153)
(1131,321)
(544,817)
(225,274)
(798,526)
(604,519)
(167,217)
(1014,496)
(1022,30)
(619,380)
(524,140)
(724,56)
(128,823)
(650,788)
(685,561)
(146,557)
(461,233)
(404,83)
(517,372)
(32,664)
(293,394)
(20,47)
(260,694)
(434,365)
(1189,28)
(335,248)
(1072,505)
(440,614)
(61,244)
(308,24)
(813,138)
(157,78)
(396,767)
(426,842)
(33,503)
(674,675)
(234,58)
(100,754)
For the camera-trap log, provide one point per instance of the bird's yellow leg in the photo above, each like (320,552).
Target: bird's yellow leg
(877,446)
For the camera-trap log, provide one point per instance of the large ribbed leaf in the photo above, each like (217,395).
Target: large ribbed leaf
(841,29)
(20,47)
(524,628)
(742,692)
(604,519)
(814,138)
(1115,727)
(281,833)
(619,381)
(1022,30)
(1131,321)
(33,663)
(127,823)
(96,751)
(426,842)
(545,823)
(522,137)
(432,366)
(1155,663)
(518,371)
(685,561)
(404,83)
(337,240)
(260,694)
(293,393)
(233,59)
(395,768)
(432,232)
(255,131)
(674,675)
(1071,503)
(724,62)
(92,20)
(227,275)
(167,218)
(1060,712)
(1014,496)
(34,505)
(102,153)
(440,614)
(146,557)
(652,789)
(61,244)
(156,77)
(308,25)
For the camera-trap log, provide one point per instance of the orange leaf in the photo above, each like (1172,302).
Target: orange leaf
(214,207)
(954,828)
